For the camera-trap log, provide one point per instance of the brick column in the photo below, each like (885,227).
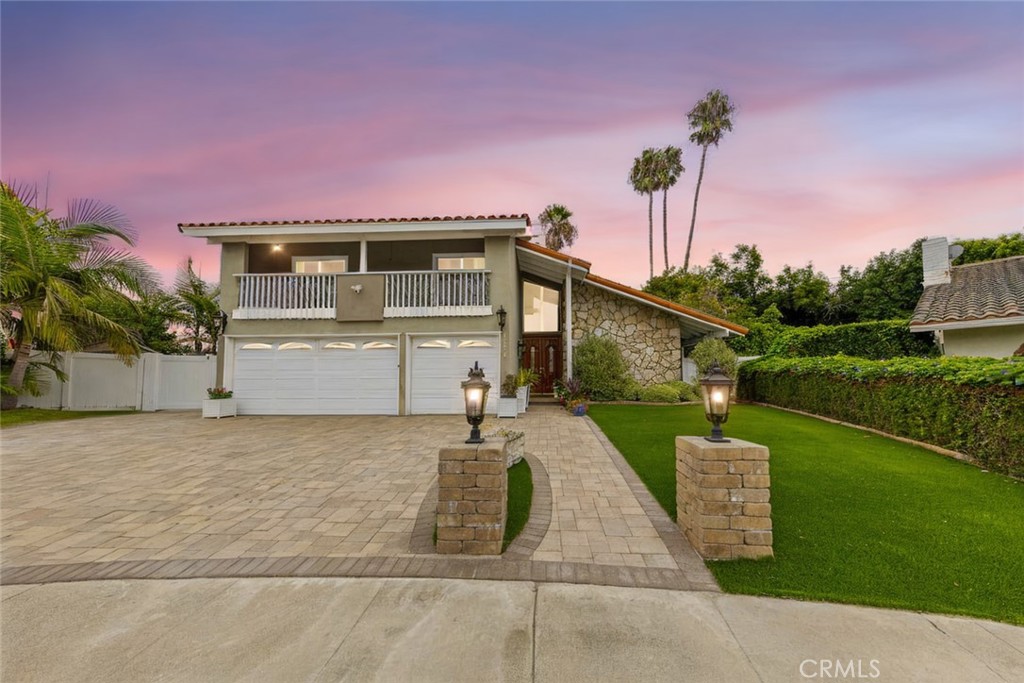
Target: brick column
(722,497)
(472,493)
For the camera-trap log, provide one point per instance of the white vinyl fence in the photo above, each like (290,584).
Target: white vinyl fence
(99,381)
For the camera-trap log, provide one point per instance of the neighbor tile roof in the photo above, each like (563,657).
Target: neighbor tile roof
(338,221)
(976,292)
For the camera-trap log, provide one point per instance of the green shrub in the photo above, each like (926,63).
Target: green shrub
(660,393)
(598,364)
(971,405)
(877,340)
(708,351)
(686,391)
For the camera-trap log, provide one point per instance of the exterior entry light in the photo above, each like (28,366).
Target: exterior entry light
(502,314)
(475,390)
(716,389)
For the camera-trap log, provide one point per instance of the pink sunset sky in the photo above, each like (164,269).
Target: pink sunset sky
(860,127)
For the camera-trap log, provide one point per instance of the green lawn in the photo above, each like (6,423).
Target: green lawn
(520,497)
(858,518)
(24,416)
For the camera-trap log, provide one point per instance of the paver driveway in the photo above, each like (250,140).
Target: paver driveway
(175,487)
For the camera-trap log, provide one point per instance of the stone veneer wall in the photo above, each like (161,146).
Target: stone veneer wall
(649,339)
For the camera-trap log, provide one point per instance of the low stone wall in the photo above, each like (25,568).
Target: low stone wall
(472,496)
(723,498)
(649,339)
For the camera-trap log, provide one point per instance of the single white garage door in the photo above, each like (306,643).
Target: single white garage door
(441,364)
(342,376)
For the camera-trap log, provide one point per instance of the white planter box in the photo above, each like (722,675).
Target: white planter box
(508,407)
(219,407)
(514,450)
(522,398)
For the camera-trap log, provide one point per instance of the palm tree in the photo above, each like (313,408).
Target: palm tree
(709,119)
(643,179)
(56,274)
(199,303)
(668,169)
(559,232)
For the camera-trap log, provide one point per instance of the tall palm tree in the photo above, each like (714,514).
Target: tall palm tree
(559,231)
(643,179)
(199,303)
(710,119)
(56,273)
(667,171)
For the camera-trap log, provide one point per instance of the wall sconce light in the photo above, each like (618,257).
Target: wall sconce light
(521,346)
(502,315)
(276,247)
(358,289)
(475,390)
(716,389)
(222,321)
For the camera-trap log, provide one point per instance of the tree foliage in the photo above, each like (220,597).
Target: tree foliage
(710,119)
(199,306)
(643,178)
(559,231)
(58,274)
(990,248)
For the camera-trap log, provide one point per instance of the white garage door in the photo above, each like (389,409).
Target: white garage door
(441,364)
(347,376)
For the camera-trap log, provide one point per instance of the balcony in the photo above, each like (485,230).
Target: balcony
(411,294)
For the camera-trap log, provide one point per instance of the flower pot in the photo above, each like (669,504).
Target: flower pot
(508,407)
(219,407)
(523,398)
(580,410)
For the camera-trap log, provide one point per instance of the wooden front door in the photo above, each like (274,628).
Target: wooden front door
(543,354)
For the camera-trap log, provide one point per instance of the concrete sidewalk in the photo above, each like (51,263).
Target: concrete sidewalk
(329,629)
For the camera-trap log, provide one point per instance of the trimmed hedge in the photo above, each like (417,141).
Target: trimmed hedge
(598,364)
(971,405)
(877,340)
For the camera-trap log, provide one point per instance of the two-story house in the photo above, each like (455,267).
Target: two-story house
(386,316)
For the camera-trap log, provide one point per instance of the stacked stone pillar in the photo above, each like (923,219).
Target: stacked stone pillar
(472,494)
(722,497)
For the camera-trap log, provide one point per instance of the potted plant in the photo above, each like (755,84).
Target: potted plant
(577,407)
(508,405)
(525,379)
(220,403)
(515,444)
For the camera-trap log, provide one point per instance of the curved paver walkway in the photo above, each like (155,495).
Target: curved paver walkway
(169,495)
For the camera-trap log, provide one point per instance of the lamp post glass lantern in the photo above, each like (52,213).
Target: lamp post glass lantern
(716,390)
(475,390)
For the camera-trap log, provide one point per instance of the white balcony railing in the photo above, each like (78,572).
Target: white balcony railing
(437,293)
(286,296)
(299,296)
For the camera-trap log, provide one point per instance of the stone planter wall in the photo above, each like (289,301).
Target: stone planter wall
(649,339)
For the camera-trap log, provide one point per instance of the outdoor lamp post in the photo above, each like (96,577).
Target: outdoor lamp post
(715,389)
(475,390)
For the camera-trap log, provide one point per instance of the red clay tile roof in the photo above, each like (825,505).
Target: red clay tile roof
(338,221)
(665,303)
(527,244)
(978,291)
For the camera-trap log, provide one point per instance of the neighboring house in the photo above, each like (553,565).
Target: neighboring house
(974,310)
(386,316)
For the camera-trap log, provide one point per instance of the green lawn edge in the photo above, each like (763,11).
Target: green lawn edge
(520,500)
(858,518)
(24,416)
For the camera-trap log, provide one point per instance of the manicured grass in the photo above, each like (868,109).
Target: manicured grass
(858,518)
(520,497)
(24,416)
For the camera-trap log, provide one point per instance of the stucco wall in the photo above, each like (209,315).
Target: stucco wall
(649,339)
(994,342)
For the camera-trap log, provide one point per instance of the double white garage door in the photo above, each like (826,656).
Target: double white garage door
(357,375)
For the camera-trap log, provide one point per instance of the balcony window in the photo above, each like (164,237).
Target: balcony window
(319,264)
(459,262)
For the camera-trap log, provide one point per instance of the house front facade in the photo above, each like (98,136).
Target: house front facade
(386,316)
